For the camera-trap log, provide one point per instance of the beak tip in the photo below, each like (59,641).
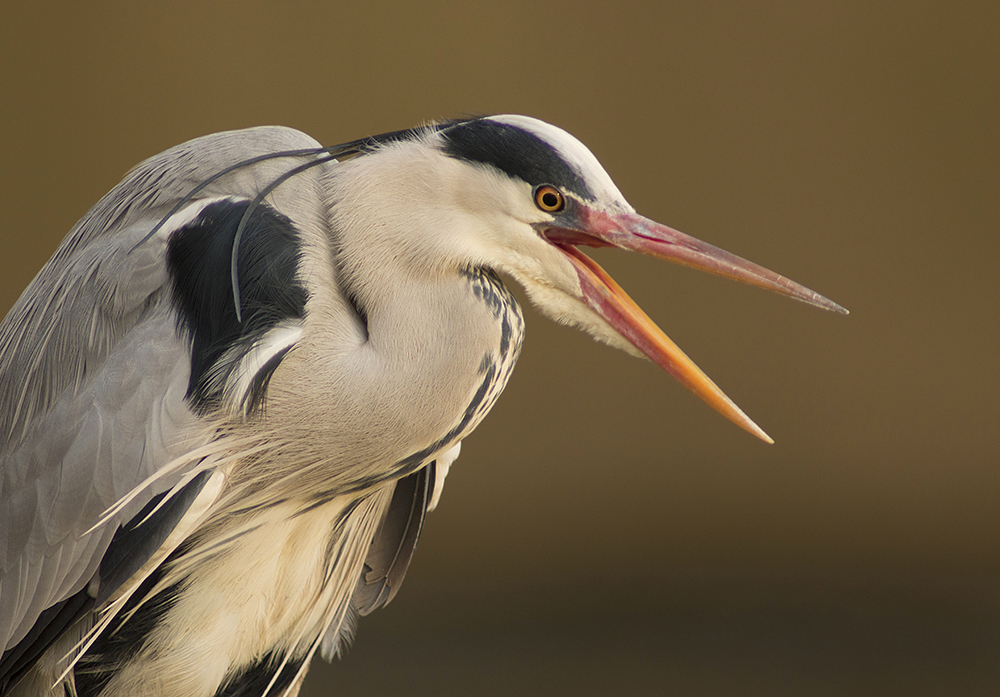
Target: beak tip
(813,298)
(759,432)
(728,408)
(839,309)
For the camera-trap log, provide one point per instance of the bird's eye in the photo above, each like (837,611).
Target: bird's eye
(549,198)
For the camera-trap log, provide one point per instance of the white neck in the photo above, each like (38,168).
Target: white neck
(402,383)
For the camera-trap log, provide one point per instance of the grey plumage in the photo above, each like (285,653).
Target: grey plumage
(249,450)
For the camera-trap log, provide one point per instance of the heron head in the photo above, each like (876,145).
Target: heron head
(521,196)
(561,199)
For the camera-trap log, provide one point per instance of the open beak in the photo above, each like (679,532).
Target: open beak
(593,228)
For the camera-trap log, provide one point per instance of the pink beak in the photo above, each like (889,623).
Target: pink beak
(595,228)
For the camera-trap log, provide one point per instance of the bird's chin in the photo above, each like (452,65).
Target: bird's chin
(633,328)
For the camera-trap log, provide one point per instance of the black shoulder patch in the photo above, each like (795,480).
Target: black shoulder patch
(198,257)
(513,151)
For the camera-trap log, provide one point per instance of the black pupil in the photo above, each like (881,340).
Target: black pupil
(550,199)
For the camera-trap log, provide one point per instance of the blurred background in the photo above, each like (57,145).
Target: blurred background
(604,532)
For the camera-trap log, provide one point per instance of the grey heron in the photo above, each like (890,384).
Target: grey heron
(231,396)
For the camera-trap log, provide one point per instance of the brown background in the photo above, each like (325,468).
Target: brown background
(603,532)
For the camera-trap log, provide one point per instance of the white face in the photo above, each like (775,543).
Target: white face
(498,223)
(421,212)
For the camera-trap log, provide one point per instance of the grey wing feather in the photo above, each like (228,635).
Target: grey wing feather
(394,544)
(93,376)
(132,545)
(388,556)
